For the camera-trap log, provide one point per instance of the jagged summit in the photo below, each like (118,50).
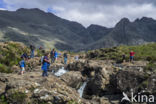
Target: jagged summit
(34,26)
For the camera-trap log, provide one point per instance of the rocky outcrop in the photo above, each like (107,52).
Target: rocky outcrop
(134,81)
(32,88)
(76,66)
(73,79)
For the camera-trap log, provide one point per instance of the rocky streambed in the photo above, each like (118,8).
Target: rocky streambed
(81,82)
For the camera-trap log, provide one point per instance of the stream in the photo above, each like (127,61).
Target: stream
(60,72)
(81,89)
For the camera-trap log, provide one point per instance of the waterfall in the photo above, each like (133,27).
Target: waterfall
(60,72)
(80,91)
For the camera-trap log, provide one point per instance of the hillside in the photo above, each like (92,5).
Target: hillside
(98,78)
(33,26)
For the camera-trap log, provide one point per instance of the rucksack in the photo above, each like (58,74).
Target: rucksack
(42,58)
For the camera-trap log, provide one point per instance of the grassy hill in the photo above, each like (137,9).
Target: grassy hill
(142,52)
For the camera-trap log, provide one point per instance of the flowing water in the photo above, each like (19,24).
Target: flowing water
(80,91)
(60,72)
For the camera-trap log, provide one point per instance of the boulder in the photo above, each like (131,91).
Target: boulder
(73,79)
(34,89)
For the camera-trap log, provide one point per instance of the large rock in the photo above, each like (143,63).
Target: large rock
(32,88)
(76,66)
(73,79)
(135,81)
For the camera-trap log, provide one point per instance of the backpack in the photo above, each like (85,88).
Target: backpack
(42,58)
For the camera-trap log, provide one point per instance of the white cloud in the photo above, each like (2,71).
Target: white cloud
(2,9)
(101,12)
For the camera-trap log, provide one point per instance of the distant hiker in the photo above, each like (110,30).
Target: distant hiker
(45,65)
(131,56)
(55,55)
(52,56)
(123,58)
(76,57)
(25,56)
(65,58)
(41,48)
(32,48)
(22,65)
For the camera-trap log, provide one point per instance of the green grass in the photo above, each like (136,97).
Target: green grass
(15,97)
(71,102)
(142,52)
(19,97)
(10,54)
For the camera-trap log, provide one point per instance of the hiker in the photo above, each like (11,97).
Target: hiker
(65,58)
(123,58)
(40,48)
(32,48)
(55,55)
(22,65)
(45,65)
(52,54)
(76,57)
(131,56)
(25,56)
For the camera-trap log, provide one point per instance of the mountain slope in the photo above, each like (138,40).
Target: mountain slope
(129,33)
(33,26)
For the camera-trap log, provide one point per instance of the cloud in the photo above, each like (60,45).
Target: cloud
(101,12)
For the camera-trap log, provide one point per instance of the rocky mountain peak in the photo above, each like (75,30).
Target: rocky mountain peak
(35,10)
(123,21)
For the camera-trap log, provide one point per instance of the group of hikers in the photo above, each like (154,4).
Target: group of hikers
(45,60)
(53,55)
(131,57)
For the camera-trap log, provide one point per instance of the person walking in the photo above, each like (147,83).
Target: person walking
(52,56)
(123,58)
(55,55)
(32,48)
(132,56)
(65,58)
(22,65)
(76,58)
(45,65)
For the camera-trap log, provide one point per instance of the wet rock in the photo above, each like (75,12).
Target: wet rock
(97,84)
(55,67)
(73,79)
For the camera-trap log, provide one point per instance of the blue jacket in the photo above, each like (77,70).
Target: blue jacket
(22,63)
(55,54)
(45,65)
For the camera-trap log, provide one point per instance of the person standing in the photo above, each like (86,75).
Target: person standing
(52,56)
(22,65)
(65,58)
(45,65)
(76,58)
(55,55)
(123,57)
(131,56)
(32,48)
(25,56)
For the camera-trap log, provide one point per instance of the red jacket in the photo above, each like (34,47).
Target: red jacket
(132,53)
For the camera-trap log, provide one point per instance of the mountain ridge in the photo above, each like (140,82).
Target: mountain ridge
(34,26)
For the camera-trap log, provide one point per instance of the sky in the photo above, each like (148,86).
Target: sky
(101,12)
